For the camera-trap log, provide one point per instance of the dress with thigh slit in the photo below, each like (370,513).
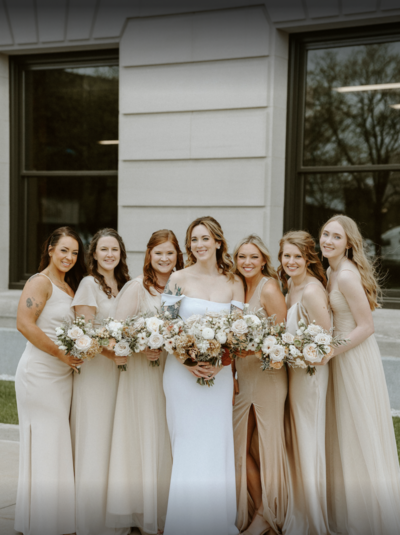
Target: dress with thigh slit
(266,391)
(43,383)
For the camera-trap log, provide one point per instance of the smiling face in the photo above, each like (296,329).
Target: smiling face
(163,257)
(108,253)
(203,244)
(64,255)
(250,261)
(333,240)
(293,261)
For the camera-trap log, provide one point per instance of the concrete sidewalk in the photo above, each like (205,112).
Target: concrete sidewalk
(9,452)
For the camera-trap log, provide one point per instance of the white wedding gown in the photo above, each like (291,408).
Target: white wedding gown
(202,498)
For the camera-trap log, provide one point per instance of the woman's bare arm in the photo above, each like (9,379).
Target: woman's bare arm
(272,301)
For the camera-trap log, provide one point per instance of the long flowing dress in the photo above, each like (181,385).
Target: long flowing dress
(202,493)
(267,392)
(141,459)
(46,493)
(363,467)
(92,417)
(307,512)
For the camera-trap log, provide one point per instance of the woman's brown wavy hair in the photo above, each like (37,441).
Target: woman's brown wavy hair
(268,270)
(74,276)
(306,245)
(149,274)
(370,278)
(224,259)
(121,271)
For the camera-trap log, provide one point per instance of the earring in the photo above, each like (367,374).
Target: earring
(262,267)
(347,253)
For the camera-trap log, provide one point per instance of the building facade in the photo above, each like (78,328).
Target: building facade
(266,116)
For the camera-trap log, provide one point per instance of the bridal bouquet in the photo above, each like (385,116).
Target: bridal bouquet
(310,345)
(77,338)
(274,349)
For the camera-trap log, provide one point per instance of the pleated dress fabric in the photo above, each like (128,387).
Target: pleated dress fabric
(307,512)
(46,494)
(363,467)
(92,417)
(141,458)
(266,391)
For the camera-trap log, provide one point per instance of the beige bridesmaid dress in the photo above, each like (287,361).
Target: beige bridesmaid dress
(46,494)
(363,467)
(92,417)
(307,512)
(266,391)
(141,458)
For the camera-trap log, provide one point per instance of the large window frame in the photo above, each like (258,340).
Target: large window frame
(18,172)
(299,45)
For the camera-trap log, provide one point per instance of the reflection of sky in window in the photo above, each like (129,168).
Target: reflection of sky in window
(108,72)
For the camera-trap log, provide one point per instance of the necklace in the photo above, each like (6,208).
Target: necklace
(58,282)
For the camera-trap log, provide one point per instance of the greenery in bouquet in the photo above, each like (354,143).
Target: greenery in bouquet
(77,338)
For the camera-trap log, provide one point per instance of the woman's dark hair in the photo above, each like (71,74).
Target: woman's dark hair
(149,274)
(74,276)
(121,272)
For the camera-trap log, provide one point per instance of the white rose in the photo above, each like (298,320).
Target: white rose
(142,347)
(268,344)
(252,317)
(139,324)
(294,351)
(299,332)
(75,332)
(169,345)
(122,349)
(324,339)
(288,338)
(313,329)
(83,343)
(300,363)
(115,326)
(277,353)
(153,324)
(59,331)
(239,327)
(311,354)
(208,333)
(155,341)
(221,337)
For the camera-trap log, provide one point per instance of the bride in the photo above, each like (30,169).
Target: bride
(202,495)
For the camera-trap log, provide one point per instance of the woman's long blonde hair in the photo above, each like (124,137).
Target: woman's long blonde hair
(306,245)
(356,253)
(224,260)
(268,269)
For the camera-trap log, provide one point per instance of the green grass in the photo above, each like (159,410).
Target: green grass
(8,403)
(9,414)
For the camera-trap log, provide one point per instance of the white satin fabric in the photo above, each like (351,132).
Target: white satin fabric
(202,497)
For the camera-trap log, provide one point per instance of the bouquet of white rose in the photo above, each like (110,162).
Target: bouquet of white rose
(274,349)
(110,335)
(78,339)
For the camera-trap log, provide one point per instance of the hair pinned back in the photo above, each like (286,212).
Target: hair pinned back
(224,260)
(366,268)
(121,272)
(149,274)
(306,245)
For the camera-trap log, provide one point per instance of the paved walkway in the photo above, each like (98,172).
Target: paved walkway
(9,451)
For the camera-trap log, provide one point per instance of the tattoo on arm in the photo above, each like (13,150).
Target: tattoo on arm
(173,310)
(29,303)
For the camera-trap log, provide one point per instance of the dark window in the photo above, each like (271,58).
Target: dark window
(343,145)
(64,150)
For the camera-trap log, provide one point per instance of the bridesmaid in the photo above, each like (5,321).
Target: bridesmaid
(302,273)
(95,388)
(43,382)
(141,459)
(363,467)
(260,405)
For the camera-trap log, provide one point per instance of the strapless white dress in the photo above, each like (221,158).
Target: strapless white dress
(202,498)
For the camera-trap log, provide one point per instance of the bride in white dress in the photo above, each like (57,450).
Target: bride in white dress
(202,497)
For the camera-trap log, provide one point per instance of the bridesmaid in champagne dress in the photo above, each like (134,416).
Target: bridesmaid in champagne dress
(95,388)
(363,467)
(43,383)
(259,406)
(141,459)
(302,271)
(202,497)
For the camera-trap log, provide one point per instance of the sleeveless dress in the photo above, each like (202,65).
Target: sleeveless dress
(92,417)
(363,467)
(266,391)
(141,459)
(307,512)
(43,383)
(202,493)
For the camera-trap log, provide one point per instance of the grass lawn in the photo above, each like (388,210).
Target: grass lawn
(9,415)
(8,403)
